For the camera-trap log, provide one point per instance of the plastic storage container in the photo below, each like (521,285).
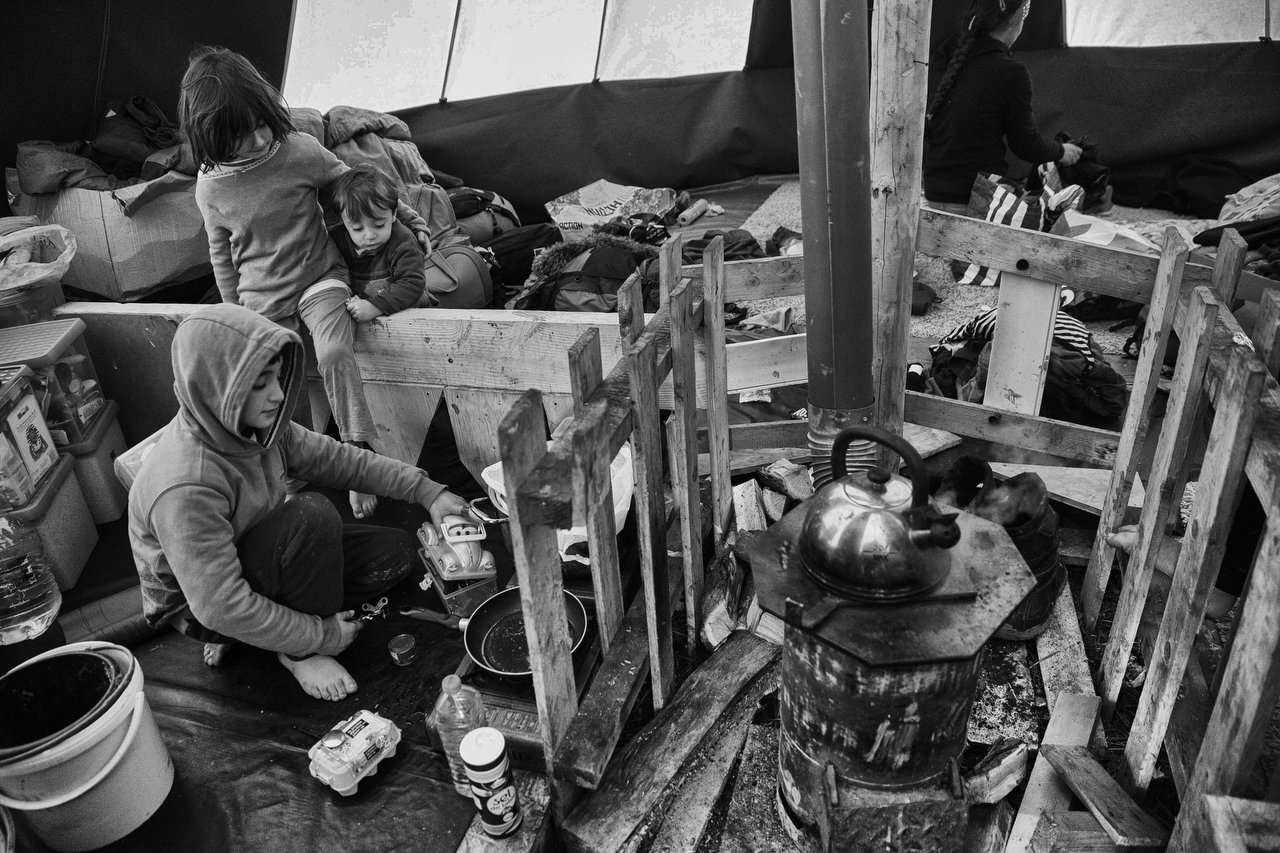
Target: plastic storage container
(95,459)
(458,710)
(25,432)
(65,382)
(61,515)
(29,596)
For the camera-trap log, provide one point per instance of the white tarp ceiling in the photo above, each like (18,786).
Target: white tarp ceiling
(390,54)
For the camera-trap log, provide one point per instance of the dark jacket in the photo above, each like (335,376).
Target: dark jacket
(989,104)
(392,277)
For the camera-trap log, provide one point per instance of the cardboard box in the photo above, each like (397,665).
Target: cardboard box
(123,257)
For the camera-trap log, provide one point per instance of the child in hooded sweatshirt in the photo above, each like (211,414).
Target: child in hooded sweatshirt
(221,554)
(261,190)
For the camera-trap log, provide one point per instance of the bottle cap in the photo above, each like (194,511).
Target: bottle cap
(452,683)
(483,748)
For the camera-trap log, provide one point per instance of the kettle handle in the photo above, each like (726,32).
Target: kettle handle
(915,463)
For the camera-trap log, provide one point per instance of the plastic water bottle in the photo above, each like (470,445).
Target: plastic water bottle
(458,710)
(29,597)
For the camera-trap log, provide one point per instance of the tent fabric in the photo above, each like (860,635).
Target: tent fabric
(682,132)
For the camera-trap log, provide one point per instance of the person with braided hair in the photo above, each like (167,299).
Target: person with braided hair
(980,101)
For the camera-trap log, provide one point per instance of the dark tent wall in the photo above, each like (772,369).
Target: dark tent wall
(63,60)
(1154,113)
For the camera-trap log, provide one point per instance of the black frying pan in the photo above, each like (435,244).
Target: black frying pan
(494,635)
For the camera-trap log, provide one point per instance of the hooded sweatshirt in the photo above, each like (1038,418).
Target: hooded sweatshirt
(204,483)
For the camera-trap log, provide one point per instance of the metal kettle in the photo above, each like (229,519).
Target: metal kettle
(872,534)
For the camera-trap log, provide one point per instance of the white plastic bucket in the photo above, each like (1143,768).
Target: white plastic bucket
(101,783)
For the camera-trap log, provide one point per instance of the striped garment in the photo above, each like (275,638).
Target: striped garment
(1067,331)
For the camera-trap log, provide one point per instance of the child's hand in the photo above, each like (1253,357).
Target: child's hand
(447,503)
(362,310)
(424,240)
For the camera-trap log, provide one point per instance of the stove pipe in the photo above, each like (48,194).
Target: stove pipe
(833,78)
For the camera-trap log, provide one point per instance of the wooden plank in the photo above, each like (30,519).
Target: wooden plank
(1197,569)
(522,439)
(988,828)
(717,382)
(401,416)
(1082,488)
(1227,266)
(1070,724)
(766,363)
(1193,356)
(1266,332)
(641,770)
(647,454)
(1020,350)
(899,78)
(534,834)
(1240,825)
(476,414)
(630,310)
(747,461)
(683,438)
(593,482)
(1062,831)
(588,745)
(1062,661)
(1189,718)
(1060,260)
(1122,818)
(1137,419)
(1089,445)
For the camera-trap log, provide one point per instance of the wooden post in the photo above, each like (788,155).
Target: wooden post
(1221,477)
(593,484)
(713,283)
(647,452)
(522,437)
(1196,336)
(899,83)
(630,310)
(684,430)
(1155,340)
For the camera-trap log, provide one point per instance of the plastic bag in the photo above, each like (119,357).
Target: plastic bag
(578,212)
(22,251)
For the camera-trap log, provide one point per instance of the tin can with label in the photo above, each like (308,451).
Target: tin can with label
(484,752)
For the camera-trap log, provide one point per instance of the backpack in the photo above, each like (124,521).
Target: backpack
(515,251)
(739,245)
(432,203)
(457,277)
(482,214)
(586,276)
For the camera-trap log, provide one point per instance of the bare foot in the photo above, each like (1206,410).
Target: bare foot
(362,505)
(215,654)
(320,676)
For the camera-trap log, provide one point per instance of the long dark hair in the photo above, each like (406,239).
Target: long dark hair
(223,98)
(980,18)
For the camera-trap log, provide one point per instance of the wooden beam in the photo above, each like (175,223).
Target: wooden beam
(1084,489)
(522,439)
(1070,724)
(1089,445)
(683,436)
(641,771)
(1202,549)
(1137,419)
(401,416)
(717,383)
(1020,350)
(1122,818)
(1002,769)
(899,80)
(1193,356)
(988,828)
(1059,260)
(1062,831)
(646,442)
(1238,825)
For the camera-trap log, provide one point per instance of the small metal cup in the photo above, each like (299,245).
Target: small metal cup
(403,648)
